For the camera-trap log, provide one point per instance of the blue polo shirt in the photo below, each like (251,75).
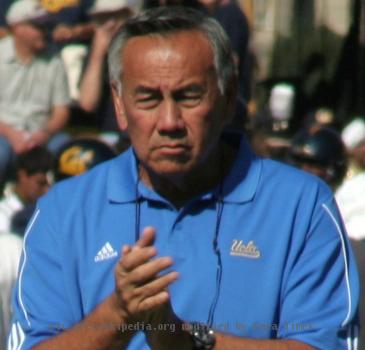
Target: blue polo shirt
(286,267)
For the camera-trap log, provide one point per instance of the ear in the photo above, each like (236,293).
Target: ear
(119,108)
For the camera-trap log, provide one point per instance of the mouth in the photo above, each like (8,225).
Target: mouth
(173,149)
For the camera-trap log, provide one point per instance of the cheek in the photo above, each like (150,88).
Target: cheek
(140,131)
(139,128)
(37,37)
(207,123)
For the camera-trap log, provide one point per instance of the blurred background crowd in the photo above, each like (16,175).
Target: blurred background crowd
(301,67)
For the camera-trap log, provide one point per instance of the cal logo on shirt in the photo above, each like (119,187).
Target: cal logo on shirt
(249,250)
(57,5)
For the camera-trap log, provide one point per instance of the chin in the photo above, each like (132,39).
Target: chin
(173,169)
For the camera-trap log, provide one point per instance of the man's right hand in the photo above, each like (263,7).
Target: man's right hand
(19,140)
(141,286)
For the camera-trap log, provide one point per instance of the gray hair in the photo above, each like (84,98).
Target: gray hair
(167,20)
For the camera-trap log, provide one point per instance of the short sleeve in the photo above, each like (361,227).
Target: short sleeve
(321,292)
(40,301)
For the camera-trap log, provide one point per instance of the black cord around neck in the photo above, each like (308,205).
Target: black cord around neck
(219,211)
(215,243)
(137,211)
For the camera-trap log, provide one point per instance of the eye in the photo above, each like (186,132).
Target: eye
(189,98)
(148,100)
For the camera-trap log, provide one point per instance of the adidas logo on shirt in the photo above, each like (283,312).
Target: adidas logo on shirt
(105,253)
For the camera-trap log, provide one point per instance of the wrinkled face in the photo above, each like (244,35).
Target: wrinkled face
(30,35)
(170,104)
(33,186)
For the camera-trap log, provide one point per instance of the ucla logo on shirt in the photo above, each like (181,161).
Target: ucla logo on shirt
(249,250)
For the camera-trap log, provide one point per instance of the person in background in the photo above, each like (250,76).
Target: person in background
(80,155)
(10,251)
(321,152)
(3,27)
(20,219)
(351,194)
(32,180)
(272,129)
(187,240)
(95,97)
(350,197)
(69,33)
(67,22)
(76,156)
(231,17)
(34,96)
(353,135)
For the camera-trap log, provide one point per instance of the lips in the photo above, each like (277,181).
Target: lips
(172,149)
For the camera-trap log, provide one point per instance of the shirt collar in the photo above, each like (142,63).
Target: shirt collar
(241,183)
(239,186)
(122,178)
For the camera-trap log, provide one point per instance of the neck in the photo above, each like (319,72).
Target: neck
(23,53)
(179,190)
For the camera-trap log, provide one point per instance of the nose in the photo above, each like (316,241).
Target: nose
(170,117)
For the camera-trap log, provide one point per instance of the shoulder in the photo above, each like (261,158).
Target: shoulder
(279,170)
(89,187)
(286,177)
(260,179)
(82,186)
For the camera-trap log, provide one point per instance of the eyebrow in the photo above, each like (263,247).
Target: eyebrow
(188,88)
(144,90)
(191,88)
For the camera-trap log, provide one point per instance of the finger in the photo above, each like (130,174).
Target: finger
(156,286)
(132,258)
(126,249)
(149,271)
(147,237)
(153,302)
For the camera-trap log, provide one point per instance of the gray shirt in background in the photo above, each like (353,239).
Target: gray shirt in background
(28,92)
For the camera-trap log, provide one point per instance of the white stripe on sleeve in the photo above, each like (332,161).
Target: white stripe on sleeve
(341,234)
(34,218)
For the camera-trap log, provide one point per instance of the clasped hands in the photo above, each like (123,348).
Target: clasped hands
(141,290)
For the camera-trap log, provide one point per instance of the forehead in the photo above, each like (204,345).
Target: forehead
(179,52)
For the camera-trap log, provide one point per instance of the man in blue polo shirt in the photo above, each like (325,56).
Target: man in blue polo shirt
(187,240)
